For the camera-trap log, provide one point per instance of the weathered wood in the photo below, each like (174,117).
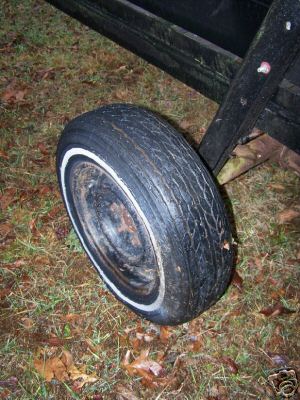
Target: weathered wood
(269,56)
(188,57)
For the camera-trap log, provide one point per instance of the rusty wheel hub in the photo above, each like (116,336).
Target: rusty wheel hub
(113,228)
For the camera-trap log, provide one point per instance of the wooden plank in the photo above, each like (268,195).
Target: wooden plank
(271,53)
(189,58)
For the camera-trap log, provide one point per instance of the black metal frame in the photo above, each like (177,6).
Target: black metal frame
(269,101)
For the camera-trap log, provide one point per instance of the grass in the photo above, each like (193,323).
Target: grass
(51,298)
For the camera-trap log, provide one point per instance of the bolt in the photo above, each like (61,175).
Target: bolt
(288,25)
(264,68)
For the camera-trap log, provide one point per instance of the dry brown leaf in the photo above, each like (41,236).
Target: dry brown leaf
(196,342)
(277,293)
(165,334)
(67,358)
(4,293)
(14,265)
(45,189)
(43,149)
(43,368)
(237,281)
(71,317)
(75,374)
(27,323)
(54,341)
(135,343)
(4,155)
(6,229)
(287,215)
(186,124)
(7,198)
(276,309)
(232,366)
(122,94)
(63,369)
(13,93)
(144,367)
(58,368)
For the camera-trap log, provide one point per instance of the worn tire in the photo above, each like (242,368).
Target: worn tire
(146,211)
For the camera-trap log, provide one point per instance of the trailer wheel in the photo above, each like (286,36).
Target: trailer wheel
(146,211)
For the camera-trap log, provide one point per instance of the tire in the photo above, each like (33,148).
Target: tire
(146,211)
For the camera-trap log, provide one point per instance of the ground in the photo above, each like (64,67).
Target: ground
(62,335)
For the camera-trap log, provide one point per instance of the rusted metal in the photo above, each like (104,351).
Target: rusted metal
(126,223)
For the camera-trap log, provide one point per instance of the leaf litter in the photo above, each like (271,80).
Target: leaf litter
(63,369)
(153,374)
(199,345)
(275,310)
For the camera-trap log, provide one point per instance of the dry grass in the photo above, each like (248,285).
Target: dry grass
(51,299)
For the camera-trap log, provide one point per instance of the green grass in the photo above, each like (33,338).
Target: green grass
(67,70)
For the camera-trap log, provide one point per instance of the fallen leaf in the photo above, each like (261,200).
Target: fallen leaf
(276,309)
(237,281)
(75,374)
(54,341)
(43,190)
(7,198)
(67,358)
(27,323)
(287,215)
(4,155)
(122,94)
(47,73)
(43,368)
(4,293)
(140,363)
(14,265)
(165,334)
(55,210)
(136,343)
(58,368)
(276,294)
(13,93)
(196,342)
(232,366)
(6,230)
(71,317)
(5,394)
(43,149)
(186,124)
(63,369)
(144,367)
